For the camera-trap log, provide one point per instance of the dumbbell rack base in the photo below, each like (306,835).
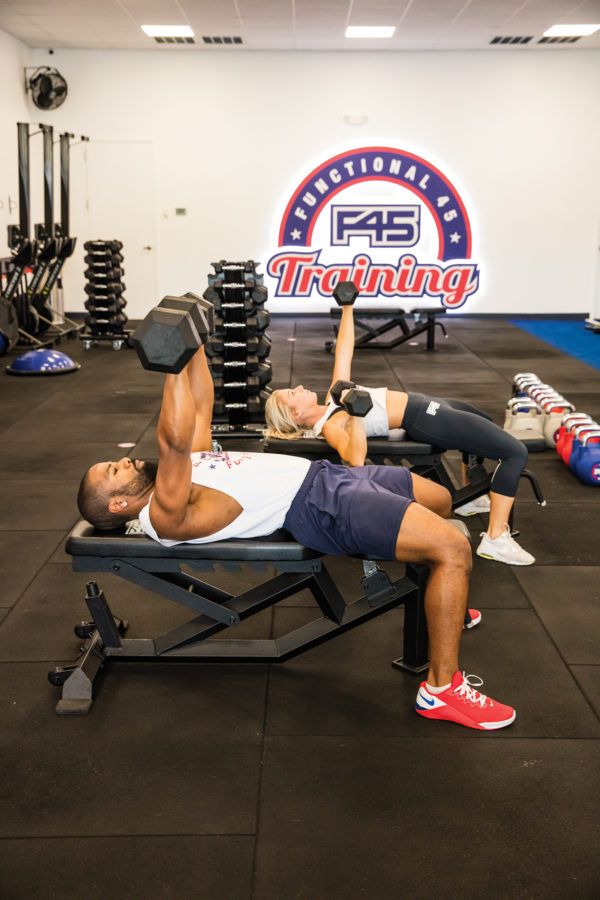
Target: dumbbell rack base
(122,339)
(249,430)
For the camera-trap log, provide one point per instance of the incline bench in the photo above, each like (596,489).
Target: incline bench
(425,319)
(144,562)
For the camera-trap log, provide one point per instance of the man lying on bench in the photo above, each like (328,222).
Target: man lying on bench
(197,496)
(449,424)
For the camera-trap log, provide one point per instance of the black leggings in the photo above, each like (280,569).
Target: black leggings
(455,425)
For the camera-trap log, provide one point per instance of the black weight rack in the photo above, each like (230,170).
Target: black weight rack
(105,320)
(238,351)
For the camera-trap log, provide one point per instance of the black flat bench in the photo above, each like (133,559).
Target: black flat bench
(139,559)
(425,319)
(426,460)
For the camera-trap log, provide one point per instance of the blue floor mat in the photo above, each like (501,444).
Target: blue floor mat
(568,335)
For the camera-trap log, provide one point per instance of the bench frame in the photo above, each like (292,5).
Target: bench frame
(425,320)
(216,610)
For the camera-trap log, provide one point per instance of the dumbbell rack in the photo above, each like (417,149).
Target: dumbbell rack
(238,351)
(105,319)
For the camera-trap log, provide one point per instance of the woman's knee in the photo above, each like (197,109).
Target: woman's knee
(445,503)
(521,454)
(440,500)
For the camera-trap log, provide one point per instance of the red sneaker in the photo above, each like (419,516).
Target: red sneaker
(475,619)
(461,703)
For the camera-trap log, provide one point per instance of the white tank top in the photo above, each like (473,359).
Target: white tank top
(376,421)
(264,484)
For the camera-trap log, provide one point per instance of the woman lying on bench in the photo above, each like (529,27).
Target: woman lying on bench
(197,496)
(449,424)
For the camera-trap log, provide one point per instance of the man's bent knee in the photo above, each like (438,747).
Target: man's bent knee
(455,550)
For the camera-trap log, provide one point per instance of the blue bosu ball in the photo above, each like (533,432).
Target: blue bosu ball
(42,362)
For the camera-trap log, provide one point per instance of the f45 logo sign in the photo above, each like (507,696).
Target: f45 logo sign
(385,226)
(393,199)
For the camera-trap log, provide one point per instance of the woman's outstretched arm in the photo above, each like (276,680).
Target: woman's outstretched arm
(344,347)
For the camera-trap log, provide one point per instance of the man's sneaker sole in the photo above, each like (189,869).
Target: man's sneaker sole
(447,714)
(505,561)
(475,620)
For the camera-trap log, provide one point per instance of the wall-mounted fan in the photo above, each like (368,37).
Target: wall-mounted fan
(48,87)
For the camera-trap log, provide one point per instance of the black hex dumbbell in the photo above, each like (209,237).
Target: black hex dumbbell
(249,282)
(355,402)
(250,405)
(105,259)
(105,308)
(345,293)
(113,246)
(104,288)
(251,384)
(101,290)
(99,275)
(230,348)
(172,332)
(240,368)
(104,262)
(248,265)
(106,320)
(102,275)
(250,325)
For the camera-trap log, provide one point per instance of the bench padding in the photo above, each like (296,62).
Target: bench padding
(375,447)
(366,312)
(85,540)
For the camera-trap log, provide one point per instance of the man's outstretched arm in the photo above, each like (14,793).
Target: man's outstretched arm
(175,433)
(202,389)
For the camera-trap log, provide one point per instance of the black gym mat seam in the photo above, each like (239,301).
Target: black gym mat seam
(458,734)
(46,562)
(261,770)
(584,666)
(135,835)
(558,651)
(481,359)
(485,362)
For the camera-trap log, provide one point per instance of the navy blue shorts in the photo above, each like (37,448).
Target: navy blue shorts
(355,511)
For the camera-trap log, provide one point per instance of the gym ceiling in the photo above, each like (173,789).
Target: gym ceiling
(235,26)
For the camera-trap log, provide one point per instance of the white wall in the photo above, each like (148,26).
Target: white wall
(14,108)
(234,133)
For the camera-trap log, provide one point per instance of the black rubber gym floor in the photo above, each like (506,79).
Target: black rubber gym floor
(315,779)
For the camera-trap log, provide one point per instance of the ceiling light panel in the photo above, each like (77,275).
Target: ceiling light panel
(571,30)
(182,31)
(370,32)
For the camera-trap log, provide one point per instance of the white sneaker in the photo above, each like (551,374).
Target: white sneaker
(504,549)
(480,505)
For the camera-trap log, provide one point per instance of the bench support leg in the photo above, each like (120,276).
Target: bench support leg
(416,640)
